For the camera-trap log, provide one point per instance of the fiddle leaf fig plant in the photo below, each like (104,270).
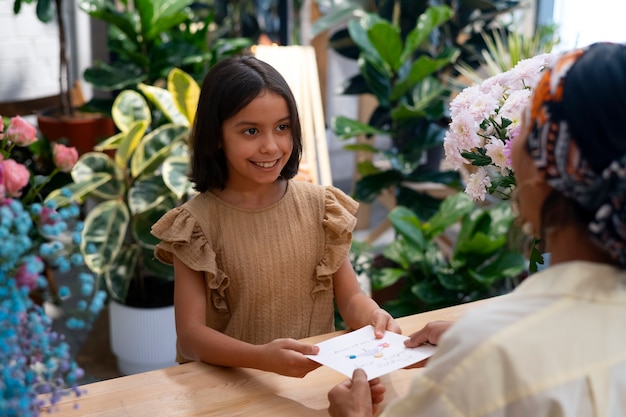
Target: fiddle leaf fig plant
(135,177)
(403,76)
(480,264)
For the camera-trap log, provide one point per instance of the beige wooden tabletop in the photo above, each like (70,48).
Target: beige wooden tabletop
(198,389)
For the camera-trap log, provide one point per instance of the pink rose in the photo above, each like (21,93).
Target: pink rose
(64,158)
(15,177)
(21,132)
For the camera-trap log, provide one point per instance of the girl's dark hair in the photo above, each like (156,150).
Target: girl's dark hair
(228,87)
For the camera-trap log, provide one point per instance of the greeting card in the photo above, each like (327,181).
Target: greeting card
(361,349)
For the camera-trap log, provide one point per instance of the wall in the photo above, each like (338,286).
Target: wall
(29,60)
(29,64)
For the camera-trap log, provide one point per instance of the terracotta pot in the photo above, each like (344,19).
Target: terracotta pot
(81,130)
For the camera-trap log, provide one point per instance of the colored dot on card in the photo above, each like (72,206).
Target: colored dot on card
(352,356)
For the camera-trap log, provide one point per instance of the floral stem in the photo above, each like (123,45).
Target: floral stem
(36,189)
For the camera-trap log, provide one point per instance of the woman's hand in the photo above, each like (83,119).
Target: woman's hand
(286,357)
(382,321)
(356,397)
(431,333)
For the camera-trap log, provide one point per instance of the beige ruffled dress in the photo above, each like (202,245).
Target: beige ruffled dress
(268,272)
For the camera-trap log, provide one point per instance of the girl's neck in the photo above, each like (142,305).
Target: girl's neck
(254,198)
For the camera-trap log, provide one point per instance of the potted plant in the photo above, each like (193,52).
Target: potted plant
(426,271)
(147,39)
(403,75)
(79,128)
(133,178)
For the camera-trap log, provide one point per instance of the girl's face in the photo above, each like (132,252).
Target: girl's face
(257,141)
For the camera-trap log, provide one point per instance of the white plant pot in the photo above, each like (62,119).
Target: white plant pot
(142,339)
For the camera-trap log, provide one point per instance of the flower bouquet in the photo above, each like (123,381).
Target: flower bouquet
(36,237)
(485,120)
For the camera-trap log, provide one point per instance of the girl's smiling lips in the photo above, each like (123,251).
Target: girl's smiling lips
(269,164)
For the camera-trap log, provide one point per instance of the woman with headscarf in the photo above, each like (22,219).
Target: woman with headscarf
(556,346)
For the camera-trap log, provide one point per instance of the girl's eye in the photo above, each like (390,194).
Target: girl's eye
(250,131)
(283,127)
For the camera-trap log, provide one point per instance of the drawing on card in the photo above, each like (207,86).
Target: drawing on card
(361,349)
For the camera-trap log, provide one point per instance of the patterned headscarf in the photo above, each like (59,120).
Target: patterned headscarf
(564,167)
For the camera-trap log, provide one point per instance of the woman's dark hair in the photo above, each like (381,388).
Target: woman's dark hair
(592,109)
(594,103)
(228,87)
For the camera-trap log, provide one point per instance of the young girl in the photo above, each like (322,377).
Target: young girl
(259,258)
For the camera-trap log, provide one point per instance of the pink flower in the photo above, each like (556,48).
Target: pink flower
(28,273)
(64,157)
(15,177)
(21,132)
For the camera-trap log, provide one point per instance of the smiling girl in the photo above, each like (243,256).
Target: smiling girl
(259,258)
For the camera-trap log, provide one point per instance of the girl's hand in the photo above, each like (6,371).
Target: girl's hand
(381,320)
(286,357)
(356,397)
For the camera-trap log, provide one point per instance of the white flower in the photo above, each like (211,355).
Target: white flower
(477,184)
(478,124)
(463,132)
(495,150)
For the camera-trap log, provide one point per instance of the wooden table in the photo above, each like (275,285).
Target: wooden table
(198,389)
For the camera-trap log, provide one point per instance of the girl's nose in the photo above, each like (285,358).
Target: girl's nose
(270,143)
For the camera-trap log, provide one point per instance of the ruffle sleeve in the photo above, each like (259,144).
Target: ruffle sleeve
(181,235)
(339,222)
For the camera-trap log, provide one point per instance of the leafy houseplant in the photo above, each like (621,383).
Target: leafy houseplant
(402,76)
(144,177)
(148,38)
(481,264)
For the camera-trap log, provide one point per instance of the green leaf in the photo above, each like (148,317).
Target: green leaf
(385,38)
(164,100)
(387,277)
(130,106)
(91,166)
(431,293)
(338,14)
(506,265)
(421,68)
(129,142)
(77,190)
(185,92)
(147,193)
(407,225)
(104,234)
(121,271)
(175,175)
(377,78)
(361,147)
(142,223)
(45,10)
(358,33)
(432,18)
(110,143)
(158,16)
(154,148)
(346,128)
(114,77)
(452,209)
(370,186)
(105,10)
